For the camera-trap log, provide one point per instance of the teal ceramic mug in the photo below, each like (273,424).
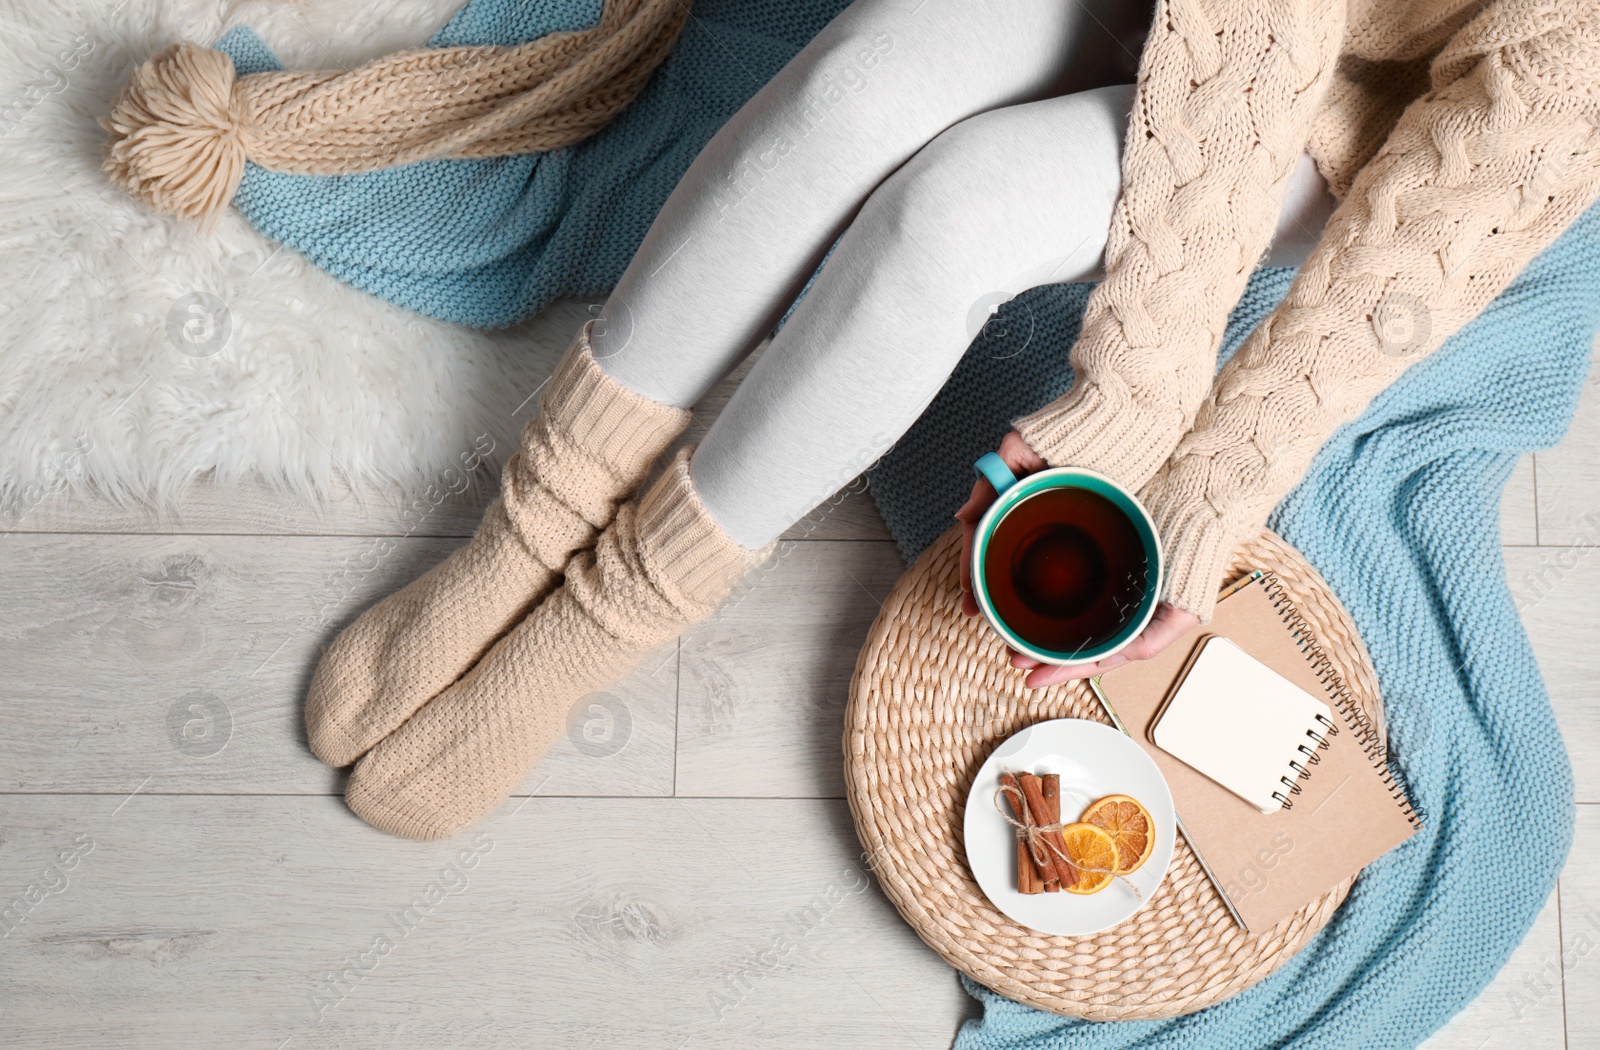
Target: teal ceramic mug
(1123,614)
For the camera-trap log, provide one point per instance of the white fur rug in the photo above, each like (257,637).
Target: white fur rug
(120,373)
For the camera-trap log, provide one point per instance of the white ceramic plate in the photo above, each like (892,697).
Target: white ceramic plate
(1094,761)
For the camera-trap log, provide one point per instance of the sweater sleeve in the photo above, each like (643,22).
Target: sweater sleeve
(1227,94)
(1479,175)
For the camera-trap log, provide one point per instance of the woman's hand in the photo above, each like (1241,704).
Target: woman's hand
(1023,461)
(1168,624)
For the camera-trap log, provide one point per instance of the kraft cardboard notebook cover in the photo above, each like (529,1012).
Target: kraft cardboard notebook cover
(1344,811)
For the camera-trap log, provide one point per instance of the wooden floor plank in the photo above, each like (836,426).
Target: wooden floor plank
(186,659)
(1558,592)
(1569,476)
(764,683)
(1580,932)
(452,510)
(252,508)
(262,921)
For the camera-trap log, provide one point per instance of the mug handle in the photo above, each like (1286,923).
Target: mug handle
(993,469)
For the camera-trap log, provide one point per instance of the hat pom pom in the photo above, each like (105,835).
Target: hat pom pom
(174,133)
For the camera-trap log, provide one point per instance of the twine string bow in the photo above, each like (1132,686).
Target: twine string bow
(1037,835)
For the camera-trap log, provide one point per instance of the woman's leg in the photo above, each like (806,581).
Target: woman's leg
(746,225)
(996,204)
(753,214)
(1000,203)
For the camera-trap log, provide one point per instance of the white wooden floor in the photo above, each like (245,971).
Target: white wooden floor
(680,872)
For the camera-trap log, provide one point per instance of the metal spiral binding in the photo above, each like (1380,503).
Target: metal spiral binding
(1294,789)
(1303,770)
(1343,698)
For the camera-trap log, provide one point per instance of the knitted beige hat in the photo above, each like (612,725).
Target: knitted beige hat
(184,125)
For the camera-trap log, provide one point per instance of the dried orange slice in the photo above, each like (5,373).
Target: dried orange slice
(1093,853)
(1129,824)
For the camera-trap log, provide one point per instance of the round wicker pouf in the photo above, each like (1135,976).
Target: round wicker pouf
(932,696)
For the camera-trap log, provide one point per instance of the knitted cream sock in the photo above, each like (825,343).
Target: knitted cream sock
(589,448)
(662,565)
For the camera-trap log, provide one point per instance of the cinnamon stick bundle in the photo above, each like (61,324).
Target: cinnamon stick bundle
(1055,865)
(1028,880)
(1036,803)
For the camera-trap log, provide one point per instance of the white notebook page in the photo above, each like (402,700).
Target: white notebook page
(1241,723)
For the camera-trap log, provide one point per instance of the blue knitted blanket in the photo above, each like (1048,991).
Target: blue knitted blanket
(1398,512)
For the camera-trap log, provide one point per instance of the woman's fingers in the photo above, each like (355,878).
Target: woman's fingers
(1019,660)
(982,495)
(1054,674)
(1023,461)
(1019,455)
(965,513)
(1168,625)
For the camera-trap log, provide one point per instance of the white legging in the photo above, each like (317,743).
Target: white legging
(930,134)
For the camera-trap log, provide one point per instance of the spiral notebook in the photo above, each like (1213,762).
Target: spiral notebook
(1337,808)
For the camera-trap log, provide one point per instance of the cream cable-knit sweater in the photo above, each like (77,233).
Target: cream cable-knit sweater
(1461,140)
